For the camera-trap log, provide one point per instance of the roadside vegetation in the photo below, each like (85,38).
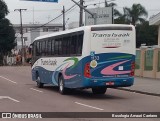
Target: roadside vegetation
(7,33)
(137,15)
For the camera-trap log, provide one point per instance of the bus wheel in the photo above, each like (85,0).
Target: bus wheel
(39,84)
(62,89)
(99,90)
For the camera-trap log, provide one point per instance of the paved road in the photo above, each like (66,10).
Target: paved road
(147,86)
(19,94)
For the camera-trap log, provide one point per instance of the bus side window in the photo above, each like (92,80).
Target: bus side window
(73,45)
(40,47)
(56,47)
(43,48)
(68,45)
(64,46)
(60,46)
(53,49)
(49,46)
(80,44)
(37,49)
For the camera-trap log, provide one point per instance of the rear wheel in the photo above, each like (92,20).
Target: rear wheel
(61,85)
(39,84)
(99,90)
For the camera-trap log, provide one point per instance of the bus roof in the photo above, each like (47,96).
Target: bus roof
(80,29)
(60,33)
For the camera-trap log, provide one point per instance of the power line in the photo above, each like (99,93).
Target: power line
(69,11)
(98,3)
(54,18)
(95,4)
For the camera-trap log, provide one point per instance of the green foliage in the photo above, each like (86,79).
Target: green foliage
(7,36)
(3,9)
(136,13)
(132,15)
(146,34)
(121,18)
(7,33)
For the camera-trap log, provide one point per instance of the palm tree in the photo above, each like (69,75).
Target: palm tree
(110,4)
(120,18)
(136,14)
(3,9)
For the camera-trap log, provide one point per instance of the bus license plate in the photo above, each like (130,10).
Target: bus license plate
(109,83)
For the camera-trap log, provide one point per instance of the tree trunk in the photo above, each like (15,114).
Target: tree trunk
(1,59)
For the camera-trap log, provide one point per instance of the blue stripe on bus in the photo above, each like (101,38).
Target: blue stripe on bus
(97,78)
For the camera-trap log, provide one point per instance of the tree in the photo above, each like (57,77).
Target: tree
(136,14)
(7,33)
(121,18)
(133,15)
(110,4)
(3,9)
(146,34)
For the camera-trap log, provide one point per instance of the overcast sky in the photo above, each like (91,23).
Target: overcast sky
(41,12)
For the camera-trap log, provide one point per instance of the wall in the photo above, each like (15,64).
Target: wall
(148,62)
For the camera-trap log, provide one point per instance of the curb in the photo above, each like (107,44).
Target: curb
(137,91)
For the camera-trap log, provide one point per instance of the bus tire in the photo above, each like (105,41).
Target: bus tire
(99,90)
(39,83)
(61,85)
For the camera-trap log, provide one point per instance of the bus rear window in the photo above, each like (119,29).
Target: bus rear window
(111,28)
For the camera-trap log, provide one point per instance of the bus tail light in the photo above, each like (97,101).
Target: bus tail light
(132,68)
(87,71)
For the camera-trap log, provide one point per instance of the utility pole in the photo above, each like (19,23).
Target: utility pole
(112,14)
(21,32)
(81,14)
(93,15)
(106,5)
(63,12)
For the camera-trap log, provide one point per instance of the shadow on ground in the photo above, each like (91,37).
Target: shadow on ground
(83,94)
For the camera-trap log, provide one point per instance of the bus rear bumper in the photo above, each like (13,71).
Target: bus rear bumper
(109,83)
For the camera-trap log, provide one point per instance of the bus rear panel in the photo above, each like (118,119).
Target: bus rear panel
(111,62)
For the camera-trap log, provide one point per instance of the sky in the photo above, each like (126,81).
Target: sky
(42,12)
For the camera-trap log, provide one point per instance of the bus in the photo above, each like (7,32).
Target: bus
(96,57)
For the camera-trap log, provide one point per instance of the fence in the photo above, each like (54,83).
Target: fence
(11,60)
(148,62)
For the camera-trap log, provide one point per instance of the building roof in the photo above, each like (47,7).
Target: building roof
(155,20)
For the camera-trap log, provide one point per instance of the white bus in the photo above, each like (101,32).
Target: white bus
(96,57)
